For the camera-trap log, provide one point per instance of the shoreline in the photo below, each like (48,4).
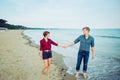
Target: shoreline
(56,60)
(19,59)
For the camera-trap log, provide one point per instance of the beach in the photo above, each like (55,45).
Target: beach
(19,59)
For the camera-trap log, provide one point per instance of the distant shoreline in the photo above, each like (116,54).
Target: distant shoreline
(65,28)
(20,27)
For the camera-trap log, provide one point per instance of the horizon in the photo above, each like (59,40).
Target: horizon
(71,28)
(62,13)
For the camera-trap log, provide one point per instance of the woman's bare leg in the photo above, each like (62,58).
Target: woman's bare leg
(45,66)
(49,63)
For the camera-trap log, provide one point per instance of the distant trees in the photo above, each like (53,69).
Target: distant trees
(10,26)
(2,22)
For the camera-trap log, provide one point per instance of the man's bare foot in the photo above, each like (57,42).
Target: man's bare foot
(84,75)
(76,75)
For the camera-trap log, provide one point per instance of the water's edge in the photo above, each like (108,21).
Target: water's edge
(56,60)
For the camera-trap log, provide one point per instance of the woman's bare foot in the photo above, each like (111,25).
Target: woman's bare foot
(48,74)
(43,73)
(84,75)
(76,75)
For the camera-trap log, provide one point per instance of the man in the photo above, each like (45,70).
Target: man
(86,41)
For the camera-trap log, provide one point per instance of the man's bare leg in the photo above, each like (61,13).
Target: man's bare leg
(84,75)
(76,75)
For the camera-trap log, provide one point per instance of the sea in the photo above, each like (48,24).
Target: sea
(105,66)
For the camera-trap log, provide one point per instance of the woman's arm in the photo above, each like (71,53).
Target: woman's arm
(61,46)
(41,48)
(54,43)
(41,55)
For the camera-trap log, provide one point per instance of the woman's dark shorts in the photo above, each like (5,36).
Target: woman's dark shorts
(47,55)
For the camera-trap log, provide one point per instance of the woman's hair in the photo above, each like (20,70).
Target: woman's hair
(45,33)
(87,28)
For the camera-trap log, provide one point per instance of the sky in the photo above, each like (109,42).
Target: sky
(62,13)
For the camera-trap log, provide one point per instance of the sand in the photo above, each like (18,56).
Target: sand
(19,59)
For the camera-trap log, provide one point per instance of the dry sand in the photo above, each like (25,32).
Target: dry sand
(19,61)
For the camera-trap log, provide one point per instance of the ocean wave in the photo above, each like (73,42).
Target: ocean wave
(117,37)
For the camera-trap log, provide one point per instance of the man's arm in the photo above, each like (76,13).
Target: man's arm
(74,42)
(92,50)
(71,44)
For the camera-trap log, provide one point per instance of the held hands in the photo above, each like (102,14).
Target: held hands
(64,47)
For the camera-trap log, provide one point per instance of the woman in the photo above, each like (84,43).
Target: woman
(45,51)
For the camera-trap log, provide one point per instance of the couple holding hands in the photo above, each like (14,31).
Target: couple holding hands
(86,41)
